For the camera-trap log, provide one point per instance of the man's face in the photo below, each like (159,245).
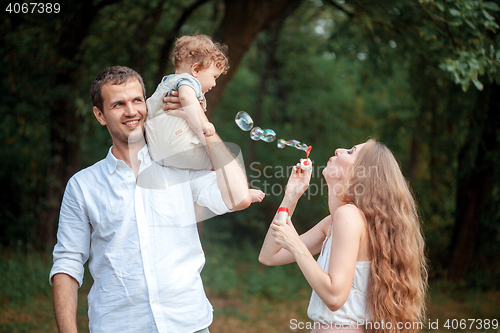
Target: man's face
(124,111)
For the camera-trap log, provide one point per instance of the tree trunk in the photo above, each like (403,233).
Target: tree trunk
(243,20)
(414,155)
(168,43)
(268,73)
(475,177)
(64,122)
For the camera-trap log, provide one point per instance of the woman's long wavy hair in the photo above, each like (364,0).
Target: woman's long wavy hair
(398,277)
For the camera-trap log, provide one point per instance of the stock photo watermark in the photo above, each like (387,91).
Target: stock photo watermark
(264,178)
(449,324)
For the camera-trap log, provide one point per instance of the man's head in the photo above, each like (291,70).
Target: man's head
(200,51)
(114,75)
(118,96)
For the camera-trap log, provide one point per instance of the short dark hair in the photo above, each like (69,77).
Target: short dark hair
(114,75)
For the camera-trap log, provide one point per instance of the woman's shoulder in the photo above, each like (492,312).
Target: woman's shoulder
(349,213)
(348,209)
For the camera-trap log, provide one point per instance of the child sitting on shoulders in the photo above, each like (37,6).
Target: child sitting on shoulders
(198,62)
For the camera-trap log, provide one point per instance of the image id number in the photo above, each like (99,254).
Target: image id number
(471,323)
(33,7)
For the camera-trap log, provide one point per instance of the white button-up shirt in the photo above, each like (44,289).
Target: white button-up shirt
(142,241)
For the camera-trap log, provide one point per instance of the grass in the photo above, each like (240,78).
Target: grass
(247,296)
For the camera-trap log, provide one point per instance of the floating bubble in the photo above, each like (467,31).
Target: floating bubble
(302,146)
(257,133)
(292,143)
(268,136)
(244,121)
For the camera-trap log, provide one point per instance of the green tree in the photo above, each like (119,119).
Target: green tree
(420,76)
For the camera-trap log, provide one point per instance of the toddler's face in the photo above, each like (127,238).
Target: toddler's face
(207,77)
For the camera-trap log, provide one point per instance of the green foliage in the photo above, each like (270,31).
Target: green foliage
(234,271)
(385,70)
(471,26)
(25,275)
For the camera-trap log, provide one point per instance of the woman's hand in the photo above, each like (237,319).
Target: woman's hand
(286,236)
(298,182)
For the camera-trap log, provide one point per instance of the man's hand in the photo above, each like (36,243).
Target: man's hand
(172,102)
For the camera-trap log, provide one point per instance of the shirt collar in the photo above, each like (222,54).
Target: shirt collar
(112,162)
(144,157)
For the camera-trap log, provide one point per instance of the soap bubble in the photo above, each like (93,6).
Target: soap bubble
(257,133)
(302,146)
(244,121)
(292,143)
(268,135)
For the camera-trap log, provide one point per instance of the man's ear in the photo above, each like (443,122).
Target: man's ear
(99,116)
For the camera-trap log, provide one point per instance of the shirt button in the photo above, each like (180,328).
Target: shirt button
(153,301)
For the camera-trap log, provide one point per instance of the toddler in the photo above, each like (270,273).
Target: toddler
(198,62)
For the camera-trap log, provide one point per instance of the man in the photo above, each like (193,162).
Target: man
(135,221)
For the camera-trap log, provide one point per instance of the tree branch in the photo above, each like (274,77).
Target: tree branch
(339,7)
(167,44)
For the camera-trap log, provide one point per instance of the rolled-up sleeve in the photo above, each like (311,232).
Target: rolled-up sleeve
(206,192)
(73,236)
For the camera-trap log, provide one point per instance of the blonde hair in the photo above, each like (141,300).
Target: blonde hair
(398,276)
(200,50)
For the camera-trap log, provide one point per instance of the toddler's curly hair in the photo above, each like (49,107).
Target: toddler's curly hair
(201,50)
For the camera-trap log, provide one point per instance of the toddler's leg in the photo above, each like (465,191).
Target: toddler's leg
(257,195)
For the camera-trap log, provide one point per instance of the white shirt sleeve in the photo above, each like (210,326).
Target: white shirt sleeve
(73,245)
(205,191)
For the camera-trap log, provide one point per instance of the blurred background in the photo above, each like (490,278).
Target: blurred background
(420,76)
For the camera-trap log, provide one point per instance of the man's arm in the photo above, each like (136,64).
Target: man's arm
(231,178)
(65,302)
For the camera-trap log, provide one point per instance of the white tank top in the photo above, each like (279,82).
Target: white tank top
(355,310)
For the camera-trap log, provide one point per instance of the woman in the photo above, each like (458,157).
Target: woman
(371,273)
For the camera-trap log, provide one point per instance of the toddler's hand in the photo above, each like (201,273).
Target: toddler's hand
(208,129)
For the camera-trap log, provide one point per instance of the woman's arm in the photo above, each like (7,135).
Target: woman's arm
(271,253)
(333,287)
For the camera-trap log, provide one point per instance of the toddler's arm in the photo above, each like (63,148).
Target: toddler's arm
(194,111)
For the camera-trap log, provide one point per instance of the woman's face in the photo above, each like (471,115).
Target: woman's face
(338,165)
